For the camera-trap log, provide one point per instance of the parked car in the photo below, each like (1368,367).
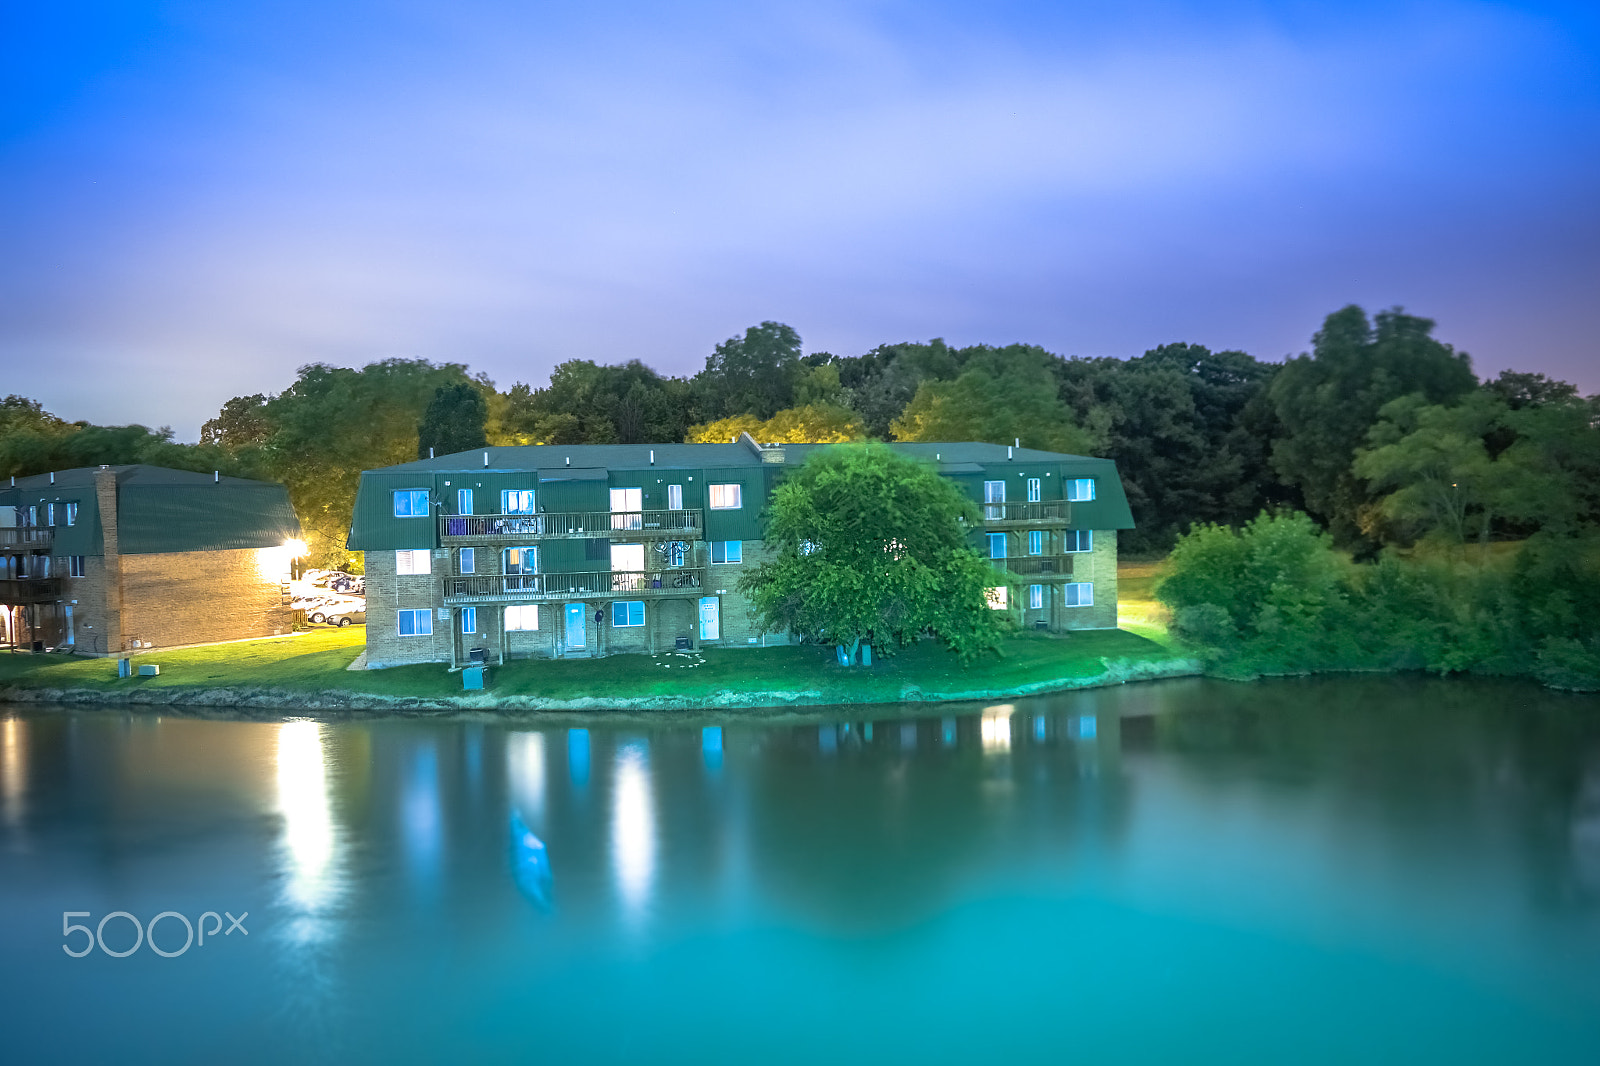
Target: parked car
(347,614)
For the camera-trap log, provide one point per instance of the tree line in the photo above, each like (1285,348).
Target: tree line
(1381,432)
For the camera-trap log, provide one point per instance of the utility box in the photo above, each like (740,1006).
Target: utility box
(149,670)
(124,667)
(472,677)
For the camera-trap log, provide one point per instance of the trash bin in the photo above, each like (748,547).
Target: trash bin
(472,677)
(683,644)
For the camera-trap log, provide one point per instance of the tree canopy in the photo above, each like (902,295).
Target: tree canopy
(870,546)
(454,420)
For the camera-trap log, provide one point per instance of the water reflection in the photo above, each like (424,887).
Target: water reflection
(633,829)
(530,863)
(578,757)
(525,772)
(996,728)
(422,819)
(13,772)
(309,837)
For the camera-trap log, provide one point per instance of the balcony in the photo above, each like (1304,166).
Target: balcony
(27,538)
(595,585)
(517,529)
(1034,515)
(1038,568)
(22,590)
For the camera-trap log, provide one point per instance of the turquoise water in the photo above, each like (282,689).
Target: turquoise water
(1332,871)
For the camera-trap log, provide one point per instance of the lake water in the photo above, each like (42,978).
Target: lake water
(1331,871)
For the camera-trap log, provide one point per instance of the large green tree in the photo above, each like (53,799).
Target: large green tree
(870,546)
(586,403)
(335,422)
(1327,402)
(1002,395)
(753,374)
(454,420)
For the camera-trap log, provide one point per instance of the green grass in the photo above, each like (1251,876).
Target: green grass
(316,661)
(1138,610)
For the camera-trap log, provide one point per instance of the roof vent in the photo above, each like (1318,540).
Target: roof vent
(486,458)
(652,457)
(216,477)
(430,451)
(1008,451)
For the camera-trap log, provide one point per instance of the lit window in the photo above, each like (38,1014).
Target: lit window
(523,618)
(1035,542)
(1080,489)
(1033,490)
(631,503)
(469,619)
(516,501)
(463,501)
(72,514)
(998,597)
(997,545)
(412,561)
(1077,594)
(727,551)
(1079,540)
(627,614)
(469,560)
(416,623)
(49,514)
(411,503)
(726,497)
(1035,596)
(674,497)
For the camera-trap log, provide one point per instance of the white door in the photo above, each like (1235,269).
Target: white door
(710,618)
(575,628)
(994,499)
(627,500)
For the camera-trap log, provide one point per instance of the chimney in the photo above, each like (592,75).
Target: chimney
(105,491)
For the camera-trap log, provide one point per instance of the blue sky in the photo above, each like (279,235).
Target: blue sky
(200,197)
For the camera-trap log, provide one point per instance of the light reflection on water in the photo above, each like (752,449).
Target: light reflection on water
(1366,861)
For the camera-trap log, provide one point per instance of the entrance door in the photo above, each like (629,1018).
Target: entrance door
(631,503)
(575,628)
(710,618)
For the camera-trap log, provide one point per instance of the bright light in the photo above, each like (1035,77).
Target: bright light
(525,769)
(295,548)
(633,829)
(13,771)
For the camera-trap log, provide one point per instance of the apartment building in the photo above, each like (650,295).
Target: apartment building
(552,551)
(106,559)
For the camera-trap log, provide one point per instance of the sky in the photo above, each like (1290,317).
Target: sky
(198,198)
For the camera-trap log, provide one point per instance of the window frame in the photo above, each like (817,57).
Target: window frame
(467,561)
(1035,597)
(508,496)
(997,597)
(72,512)
(627,607)
(735,558)
(1000,539)
(674,497)
(1035,489)
(411,503)
(411,555)
(1077,588)
(469,621)
(721,488)
(1082,541)
(416,614)
(1073,488)
(463,501)
(75,566)
(1035,542)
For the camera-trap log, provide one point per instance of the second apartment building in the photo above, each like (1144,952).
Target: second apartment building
(552,551)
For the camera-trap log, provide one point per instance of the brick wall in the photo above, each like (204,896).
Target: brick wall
(388,593)
(197,597)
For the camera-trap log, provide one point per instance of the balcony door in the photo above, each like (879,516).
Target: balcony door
(630,502)
(994,500)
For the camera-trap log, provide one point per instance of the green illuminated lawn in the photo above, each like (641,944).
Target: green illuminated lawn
(316,661)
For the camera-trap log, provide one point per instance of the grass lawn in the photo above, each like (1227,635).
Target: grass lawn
(316,661)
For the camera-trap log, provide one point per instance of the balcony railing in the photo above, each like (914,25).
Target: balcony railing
(1048,567)
(27,537)
(606,584)
(1051,513)
(29,589)
(570,525)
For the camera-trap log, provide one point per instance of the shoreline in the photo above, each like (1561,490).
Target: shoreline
(275,701)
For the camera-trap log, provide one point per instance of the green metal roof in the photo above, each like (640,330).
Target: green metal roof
(164,510)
